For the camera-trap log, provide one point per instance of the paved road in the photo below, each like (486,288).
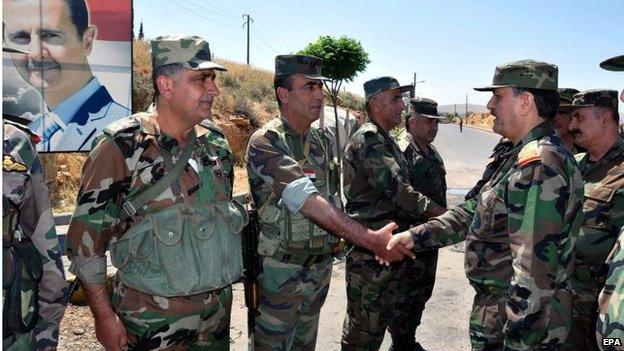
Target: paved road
(465,154)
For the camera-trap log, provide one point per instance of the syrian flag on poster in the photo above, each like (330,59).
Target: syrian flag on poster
(111,57)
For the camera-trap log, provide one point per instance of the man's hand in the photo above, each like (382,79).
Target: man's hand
(109,329)
(111,332)
(402,242)
(382,253)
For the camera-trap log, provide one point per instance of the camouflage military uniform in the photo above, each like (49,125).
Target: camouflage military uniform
(611,310)
(504,145)
(611,301)
(603,217)
(295,280)
(125,165)
(24,188)
(427,175)
(378,191)
(520,232)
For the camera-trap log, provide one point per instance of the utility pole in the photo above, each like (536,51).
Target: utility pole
(249,19)
(413,92)
(466,107)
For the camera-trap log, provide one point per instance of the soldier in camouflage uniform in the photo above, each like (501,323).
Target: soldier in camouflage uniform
(503,146)
(427,175)
(293,181)
(595,127)
(563,118)
(157,188)
(378,190)
(610,322)
(521,228)
(33,285)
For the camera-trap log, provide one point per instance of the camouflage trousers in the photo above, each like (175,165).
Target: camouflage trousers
(20,342)
(582,334)
(195,322)
(488,319)
(291,297)
(414,290)
(371,295)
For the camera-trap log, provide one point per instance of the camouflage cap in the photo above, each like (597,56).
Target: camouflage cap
(613,64)
(310,66)
(377,85)
(192,52)
(16,51)
(528,74)
(566,95)
(593,98)
(425,107)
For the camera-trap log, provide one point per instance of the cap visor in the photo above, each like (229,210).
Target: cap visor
(569,108)
(205,65)
(318,78)
(492,87)
(613,64)
(405,88)
(433,116)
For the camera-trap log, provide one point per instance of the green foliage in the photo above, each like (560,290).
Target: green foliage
(351,101)
(343,58)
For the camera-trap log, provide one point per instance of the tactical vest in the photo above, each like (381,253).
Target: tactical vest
(22,272)
(284,232)
(181,250)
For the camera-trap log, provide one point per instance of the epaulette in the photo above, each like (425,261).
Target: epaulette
(528,154)
(211,125)
(122,125)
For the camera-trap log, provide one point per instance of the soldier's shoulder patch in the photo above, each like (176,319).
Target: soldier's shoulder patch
(122,125)
(9,164)
(528,154)
(211,125)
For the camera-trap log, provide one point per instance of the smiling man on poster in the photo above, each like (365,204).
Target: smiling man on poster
(58,36)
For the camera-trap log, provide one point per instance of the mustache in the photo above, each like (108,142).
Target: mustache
(41,64)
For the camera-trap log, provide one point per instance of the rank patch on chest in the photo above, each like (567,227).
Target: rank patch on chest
(528,154)
(310,174)
(10,165)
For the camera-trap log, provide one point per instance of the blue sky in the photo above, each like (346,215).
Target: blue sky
(452,45)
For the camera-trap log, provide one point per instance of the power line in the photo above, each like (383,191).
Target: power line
(225,16)
(264,39)
(259,48)
(225,12)
(202,16)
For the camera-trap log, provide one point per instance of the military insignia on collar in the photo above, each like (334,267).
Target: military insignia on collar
(10,165)
(528,155)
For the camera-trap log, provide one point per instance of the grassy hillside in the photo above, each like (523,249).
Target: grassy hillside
(247,101)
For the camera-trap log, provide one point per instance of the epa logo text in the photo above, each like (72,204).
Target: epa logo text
(611,342)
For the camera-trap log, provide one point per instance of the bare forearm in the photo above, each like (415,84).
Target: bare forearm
(98,299)
(328,217)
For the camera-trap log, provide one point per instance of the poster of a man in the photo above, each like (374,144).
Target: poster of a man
(77,89)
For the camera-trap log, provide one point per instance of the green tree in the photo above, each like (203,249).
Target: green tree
(141,35)
(343,58)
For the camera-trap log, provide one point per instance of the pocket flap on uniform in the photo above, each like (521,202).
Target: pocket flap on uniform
(169,227)
(601,193)
(238,216)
